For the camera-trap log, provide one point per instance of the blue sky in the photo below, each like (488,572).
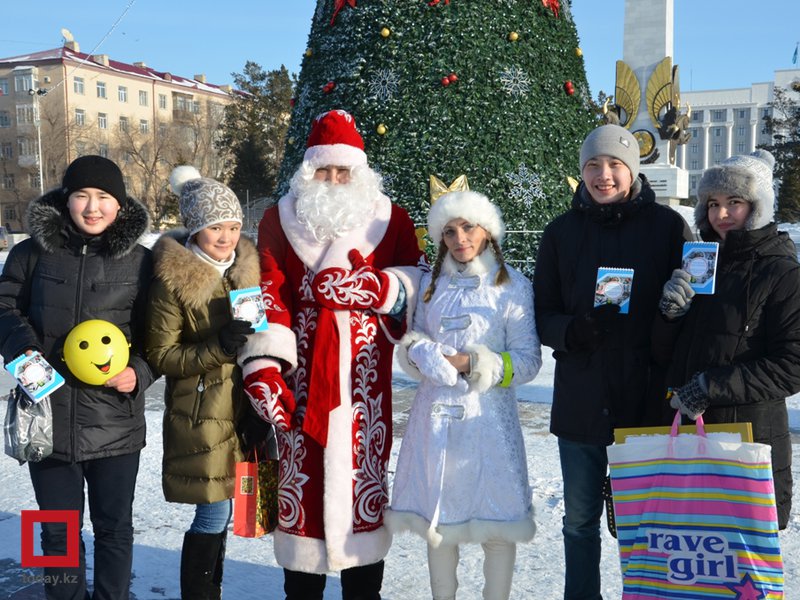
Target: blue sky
(718,43)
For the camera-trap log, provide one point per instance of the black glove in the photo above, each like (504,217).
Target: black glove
(233,336)
(254,432)
(586,332)
(691,399)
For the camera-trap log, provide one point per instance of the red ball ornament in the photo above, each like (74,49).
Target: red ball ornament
(291,102)
(452,77)
(328,87)
(569,88)
(445,81)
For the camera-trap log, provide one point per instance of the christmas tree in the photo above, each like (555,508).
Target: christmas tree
(494,90)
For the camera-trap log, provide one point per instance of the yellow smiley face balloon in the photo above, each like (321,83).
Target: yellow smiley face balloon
(95,351)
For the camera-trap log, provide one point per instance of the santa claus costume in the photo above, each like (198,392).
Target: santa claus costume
(340,266)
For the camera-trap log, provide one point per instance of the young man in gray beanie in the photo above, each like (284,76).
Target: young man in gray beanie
(603,377)
(734,356)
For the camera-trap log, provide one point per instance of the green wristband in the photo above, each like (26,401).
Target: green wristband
(508,369)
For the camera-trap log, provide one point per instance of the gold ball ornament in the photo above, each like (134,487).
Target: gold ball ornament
(381,129)
(578,52)
(513,36)
(309,53)
(386,32)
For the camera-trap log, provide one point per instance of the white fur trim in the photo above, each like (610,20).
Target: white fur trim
(180,175)
(410,278)
(336,155)
(259,364)
(487,370)
(475,531)
(472,206)
(277,342)
(483,263)
(391,295)
(317,256)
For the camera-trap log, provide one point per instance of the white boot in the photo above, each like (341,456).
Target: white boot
(442,565)
(498,569)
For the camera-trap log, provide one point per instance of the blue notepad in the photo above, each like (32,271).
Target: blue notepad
(248,305)
(37,377)
(614,286)
(700,262)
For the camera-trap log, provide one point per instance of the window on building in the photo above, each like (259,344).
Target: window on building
(24,82)
(26,147)
(142,98)
(102,120)
(7,150)
(5,120)
(717,148)
(718,115)
(102,150)
(101,89)
(3,86)
(127,157)
(694,148)
(80,148)
(122,93)
(765,112)
(742,114)
(695,165)
(162,130)
(162,101)
(693,181)
(33,180)
(123,123)
(740,147)
(24,114)
(144,126)
(8,181)
(78,86)
(196,107)
(80,117)
(717,131)
(9,214)
(741,131)
(697,115)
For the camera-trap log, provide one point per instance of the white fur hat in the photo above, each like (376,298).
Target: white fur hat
(747,176)
(472,206)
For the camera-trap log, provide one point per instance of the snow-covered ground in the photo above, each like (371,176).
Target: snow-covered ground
(251,570)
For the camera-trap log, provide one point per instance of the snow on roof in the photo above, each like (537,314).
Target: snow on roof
(65,54)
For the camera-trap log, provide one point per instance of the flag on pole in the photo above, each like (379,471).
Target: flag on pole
(794,56)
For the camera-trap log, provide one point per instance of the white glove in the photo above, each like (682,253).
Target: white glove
(429,357)
(676,297)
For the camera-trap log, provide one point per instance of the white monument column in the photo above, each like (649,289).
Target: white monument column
(648,39)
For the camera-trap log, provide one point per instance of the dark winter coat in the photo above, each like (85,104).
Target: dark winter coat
(614,386)
(76,278)
(204,398)
(746,339)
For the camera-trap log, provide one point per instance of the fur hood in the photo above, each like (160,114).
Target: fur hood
(48,222)
(190,278)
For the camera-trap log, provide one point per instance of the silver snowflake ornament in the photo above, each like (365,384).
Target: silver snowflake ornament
(384,84)
(526,186)
(515,81)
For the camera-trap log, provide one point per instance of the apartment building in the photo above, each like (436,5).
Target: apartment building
(59,104)
(728,122)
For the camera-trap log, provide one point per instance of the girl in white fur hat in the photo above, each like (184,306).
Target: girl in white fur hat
(462,472)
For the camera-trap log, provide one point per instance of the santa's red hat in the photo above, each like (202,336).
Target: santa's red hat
(334,140)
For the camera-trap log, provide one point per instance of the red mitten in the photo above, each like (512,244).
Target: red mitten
(362,288)
(271,397)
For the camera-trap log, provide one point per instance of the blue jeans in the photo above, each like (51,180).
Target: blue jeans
(212,517)
(583,469)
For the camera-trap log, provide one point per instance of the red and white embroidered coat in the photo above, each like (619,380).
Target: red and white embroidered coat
(332,496)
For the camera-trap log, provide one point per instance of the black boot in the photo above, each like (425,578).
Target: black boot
(362,583)
(303,586)
(201,566)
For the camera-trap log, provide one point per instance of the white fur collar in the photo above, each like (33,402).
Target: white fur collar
(485,262)
(317,256)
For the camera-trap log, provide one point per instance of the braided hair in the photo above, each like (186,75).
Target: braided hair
(502,273)
(437,268)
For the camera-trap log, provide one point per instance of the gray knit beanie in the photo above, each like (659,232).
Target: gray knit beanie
(747,176)
(203,201)
(612,140)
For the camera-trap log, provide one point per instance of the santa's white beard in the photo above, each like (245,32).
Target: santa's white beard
(329,211)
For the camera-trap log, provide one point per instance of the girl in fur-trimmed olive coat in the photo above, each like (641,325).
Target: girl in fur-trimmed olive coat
(193,340)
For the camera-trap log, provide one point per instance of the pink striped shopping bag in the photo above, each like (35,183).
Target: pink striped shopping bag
(696,518)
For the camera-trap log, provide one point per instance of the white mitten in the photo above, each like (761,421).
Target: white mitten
(429,358)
